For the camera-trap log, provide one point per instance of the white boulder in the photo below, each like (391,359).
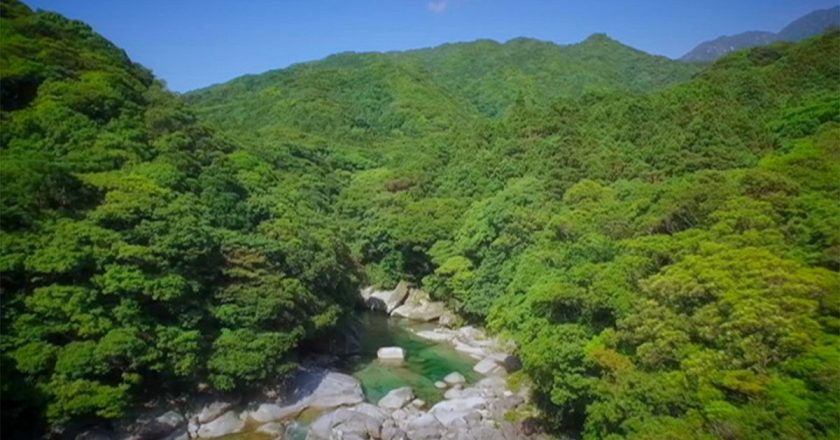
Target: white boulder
(454,378)
(370,410)
(228,423)
(212,410)
(336,389)
(419,307)
(388,300)
(344,423)
(488,366)
(423,422)
(268,412)
(314,388)
(453,393)
(471,350)
(459,393)
(396,398)
(448,411)
(428,311)
(391,354)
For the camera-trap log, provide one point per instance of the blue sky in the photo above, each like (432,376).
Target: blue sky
(195,43)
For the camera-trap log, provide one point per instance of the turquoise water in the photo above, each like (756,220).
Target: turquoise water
(426,361)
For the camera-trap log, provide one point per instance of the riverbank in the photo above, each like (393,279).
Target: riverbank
(391,377)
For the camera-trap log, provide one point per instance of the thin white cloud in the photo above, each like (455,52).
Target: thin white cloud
(437,6)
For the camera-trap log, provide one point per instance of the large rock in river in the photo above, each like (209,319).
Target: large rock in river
(371,410)
(488,366)
(228,423)
(268,412)
(420,312)
(336,389)
(345,423)
(387,300)
(391,354)
(454,378)
(209,410)
(448,411)
(396,398)
(419,307)
(313,388)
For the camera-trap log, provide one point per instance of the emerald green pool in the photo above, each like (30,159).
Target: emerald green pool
(425,361)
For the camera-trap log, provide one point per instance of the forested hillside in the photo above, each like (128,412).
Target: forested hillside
(666,257)
(142,253)
(414,93)
(660,240)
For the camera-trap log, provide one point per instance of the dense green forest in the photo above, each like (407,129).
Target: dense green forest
(142,253)
(666,259)
(661,240)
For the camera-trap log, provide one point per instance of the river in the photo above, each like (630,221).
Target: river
(425,363)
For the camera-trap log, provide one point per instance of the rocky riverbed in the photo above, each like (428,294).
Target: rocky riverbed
(326,404)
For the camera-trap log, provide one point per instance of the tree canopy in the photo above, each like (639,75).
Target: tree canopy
(143,252)
(660,240)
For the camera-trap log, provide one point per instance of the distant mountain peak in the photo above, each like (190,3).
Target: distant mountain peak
(813,23)
(803,27)
(526,40)
(600,38)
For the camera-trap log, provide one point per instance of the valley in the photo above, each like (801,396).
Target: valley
(656,243)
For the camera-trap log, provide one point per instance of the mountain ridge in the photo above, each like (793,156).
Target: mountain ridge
(808,25)
(486,75)
(593,38)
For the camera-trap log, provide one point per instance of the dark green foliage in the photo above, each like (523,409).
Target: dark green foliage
(660,240)
(142,253)
(666,261)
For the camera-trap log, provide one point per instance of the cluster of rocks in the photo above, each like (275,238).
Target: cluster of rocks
(405,301)
(468,412)
(473,412)
(205,418)
(315,389)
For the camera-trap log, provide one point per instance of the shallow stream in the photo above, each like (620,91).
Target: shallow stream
(425,363)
